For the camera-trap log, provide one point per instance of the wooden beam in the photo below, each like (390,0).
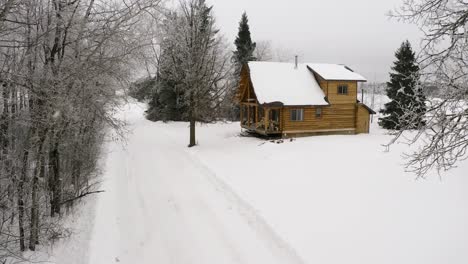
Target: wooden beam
(267,114)
(241,113)
(281,117)
(319,130)
(248,91)
(256,114)
(248,115)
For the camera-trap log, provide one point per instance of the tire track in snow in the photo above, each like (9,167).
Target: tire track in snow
(193,216)
(276,243)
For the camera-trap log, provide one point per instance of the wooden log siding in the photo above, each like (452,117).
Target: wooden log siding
(335,98)
(322,83)
(362,119)
(342,115)
(333,117)
(330,88)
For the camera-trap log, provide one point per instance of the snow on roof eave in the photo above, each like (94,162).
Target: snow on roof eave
(371,111)
(279,103)
(358,78)
(345,80)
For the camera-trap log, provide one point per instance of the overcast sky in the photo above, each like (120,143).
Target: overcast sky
(357,33)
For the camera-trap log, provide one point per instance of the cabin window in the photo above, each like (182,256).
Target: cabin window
(297,114)
(342,89)
(318,112)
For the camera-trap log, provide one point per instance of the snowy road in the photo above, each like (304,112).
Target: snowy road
(162,206)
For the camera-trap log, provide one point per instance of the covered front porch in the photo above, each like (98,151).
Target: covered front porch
(262,119)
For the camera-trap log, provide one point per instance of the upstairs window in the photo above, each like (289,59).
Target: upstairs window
(342,89)
(297,114)
(318,112)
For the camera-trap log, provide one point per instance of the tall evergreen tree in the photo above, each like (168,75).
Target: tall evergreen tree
(407,105)
(244,53)
(244,46)
(167,101)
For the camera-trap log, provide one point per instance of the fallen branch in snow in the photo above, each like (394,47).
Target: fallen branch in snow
(80,196)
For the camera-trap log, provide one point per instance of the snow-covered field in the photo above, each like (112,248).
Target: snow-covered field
(341,199)
(232,199)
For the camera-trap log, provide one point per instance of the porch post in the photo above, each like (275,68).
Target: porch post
(280,119)
(256,115)
(267,117)
(248,115)
(241,113)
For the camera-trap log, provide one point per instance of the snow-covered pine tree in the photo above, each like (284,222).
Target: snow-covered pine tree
(407,105)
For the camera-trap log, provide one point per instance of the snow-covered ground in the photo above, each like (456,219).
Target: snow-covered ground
(162,205)
(232,199)
(341,199)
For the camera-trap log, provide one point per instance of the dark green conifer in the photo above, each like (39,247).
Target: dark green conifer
(407,106)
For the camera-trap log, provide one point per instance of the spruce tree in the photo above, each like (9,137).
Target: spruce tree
(244,46)
(244,53)
(407,105)
(167,100)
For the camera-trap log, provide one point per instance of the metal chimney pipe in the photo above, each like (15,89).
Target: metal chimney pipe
(296,61)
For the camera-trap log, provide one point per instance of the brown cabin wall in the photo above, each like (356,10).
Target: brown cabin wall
(330,88)
(246,92)
(362,119)
(322,83)
(335,98)
(334,117)
(343,115)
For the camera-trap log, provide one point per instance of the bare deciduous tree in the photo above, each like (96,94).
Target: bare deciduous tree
(263,51)
(444,63)
(61,63)
(194,56)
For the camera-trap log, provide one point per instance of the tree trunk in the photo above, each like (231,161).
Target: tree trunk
(5,161)
(38,172)
(192,130)
(11,200)
(33,235)
(20,199)
(55,183)
(4,122)
(192,119)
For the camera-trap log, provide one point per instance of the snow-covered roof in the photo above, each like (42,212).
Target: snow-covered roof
(281,82)
(335,72)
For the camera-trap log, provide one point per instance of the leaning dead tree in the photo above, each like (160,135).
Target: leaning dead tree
(61,62)
(444,64)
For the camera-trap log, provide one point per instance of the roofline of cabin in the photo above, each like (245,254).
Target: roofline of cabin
(372,112)
(335,80)
(279,104)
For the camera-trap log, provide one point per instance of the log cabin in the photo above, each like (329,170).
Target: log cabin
(291,99)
